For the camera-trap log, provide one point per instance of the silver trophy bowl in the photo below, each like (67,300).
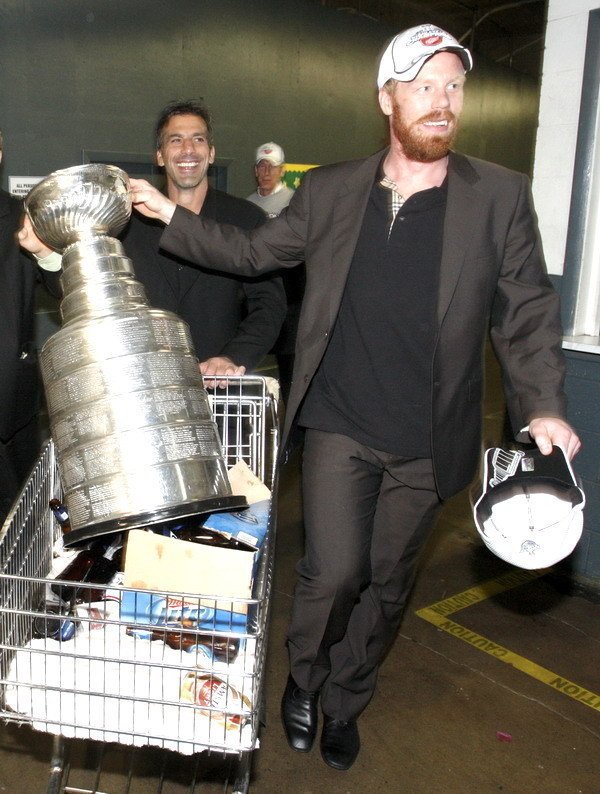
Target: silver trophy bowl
(78,203)
(135,439)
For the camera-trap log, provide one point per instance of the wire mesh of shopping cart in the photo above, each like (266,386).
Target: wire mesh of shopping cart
(97,673)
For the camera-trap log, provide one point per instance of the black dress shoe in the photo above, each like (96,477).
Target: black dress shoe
(340,742)
(299,716)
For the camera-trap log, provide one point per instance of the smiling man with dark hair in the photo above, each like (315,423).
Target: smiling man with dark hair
(234,321)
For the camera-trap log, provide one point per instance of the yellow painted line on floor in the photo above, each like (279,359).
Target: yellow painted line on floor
(437,614)
(486,590)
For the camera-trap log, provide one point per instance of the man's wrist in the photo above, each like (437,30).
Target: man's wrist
(167,213)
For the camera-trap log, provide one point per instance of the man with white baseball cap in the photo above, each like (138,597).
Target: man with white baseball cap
(271,195)
(413,256)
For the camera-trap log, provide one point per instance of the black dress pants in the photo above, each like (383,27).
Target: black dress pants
(367,515)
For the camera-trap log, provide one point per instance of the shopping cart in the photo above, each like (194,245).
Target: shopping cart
(101,680)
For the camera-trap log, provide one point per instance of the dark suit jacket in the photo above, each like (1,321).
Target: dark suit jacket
(19,379)
(492,276)
(228,315)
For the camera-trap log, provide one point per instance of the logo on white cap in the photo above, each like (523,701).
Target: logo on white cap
(407,52)
(271,152)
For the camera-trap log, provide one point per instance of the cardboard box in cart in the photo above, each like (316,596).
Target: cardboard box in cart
(158,568)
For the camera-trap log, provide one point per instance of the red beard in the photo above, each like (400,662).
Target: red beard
(423,148)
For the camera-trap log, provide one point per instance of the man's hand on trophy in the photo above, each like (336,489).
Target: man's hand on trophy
(29,241)
(151,202)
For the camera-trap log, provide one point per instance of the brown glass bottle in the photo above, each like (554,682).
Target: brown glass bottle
(224,649)
(96,564)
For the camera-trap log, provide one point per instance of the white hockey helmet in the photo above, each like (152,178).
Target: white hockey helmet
(530,512)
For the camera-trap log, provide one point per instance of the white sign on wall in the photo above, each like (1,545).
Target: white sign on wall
(21,185)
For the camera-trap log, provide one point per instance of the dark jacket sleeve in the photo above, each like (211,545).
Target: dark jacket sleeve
(280,243)
(258,331)
(50,280)
(265,301)
(525,330)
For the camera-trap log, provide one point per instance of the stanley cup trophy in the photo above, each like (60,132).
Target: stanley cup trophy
(135,440)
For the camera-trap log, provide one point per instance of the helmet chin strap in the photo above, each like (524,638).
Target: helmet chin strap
(504,464)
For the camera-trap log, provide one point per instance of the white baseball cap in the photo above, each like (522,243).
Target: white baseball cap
(530,513)
(407,52)
(272,152)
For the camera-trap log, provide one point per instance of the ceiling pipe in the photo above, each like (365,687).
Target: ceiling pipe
(520,49)
(476,23)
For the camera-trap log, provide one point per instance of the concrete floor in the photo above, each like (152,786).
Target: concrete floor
(450,714)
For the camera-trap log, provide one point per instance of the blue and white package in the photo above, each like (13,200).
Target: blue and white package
(248,526)
(159,609)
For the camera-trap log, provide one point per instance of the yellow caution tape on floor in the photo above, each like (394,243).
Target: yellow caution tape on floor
(486,590)
(437,614)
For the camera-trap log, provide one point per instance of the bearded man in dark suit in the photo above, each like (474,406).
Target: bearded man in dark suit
(412,256)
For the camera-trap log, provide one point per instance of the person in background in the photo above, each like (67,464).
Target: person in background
(413,255)
(272,195)
(20,382)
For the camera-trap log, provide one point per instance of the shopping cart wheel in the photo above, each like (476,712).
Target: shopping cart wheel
(242,778)
(57,766)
